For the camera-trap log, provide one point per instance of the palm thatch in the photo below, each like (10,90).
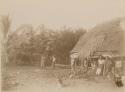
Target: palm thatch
(106,38)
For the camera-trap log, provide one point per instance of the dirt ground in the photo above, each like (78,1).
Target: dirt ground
(34,79)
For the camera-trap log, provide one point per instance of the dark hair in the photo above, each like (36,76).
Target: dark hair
(101,57)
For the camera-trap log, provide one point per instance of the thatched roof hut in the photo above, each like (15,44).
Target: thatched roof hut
(106,38)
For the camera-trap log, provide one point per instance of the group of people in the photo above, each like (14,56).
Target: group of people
(113,67)
(104,66)
(43,62)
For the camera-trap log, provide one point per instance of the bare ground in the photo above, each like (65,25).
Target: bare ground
(34,79)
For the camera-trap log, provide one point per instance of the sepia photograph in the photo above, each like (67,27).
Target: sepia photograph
(62,45)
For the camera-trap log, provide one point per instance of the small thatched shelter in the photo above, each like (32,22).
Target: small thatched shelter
(107,38)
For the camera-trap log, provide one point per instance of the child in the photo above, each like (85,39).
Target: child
(118,81)
(118,73)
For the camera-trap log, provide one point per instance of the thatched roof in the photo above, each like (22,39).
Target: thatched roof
(106,38)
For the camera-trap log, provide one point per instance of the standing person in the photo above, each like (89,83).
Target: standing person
(85,64)
(118,72)
(82,64)
(43,62)
(100,68)
(53,62)
(108,66)
(72,62)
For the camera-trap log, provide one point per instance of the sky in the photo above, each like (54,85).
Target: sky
(55,14)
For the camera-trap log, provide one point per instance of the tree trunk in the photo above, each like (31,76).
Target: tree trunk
(4,27)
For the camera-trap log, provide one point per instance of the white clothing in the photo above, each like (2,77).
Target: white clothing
(101,61)
(98,71)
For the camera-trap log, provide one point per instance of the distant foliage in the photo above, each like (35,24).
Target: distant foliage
(26,45)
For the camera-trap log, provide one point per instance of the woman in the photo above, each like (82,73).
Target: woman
(101,62)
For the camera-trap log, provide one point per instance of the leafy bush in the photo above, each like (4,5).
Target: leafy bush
(26,45)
